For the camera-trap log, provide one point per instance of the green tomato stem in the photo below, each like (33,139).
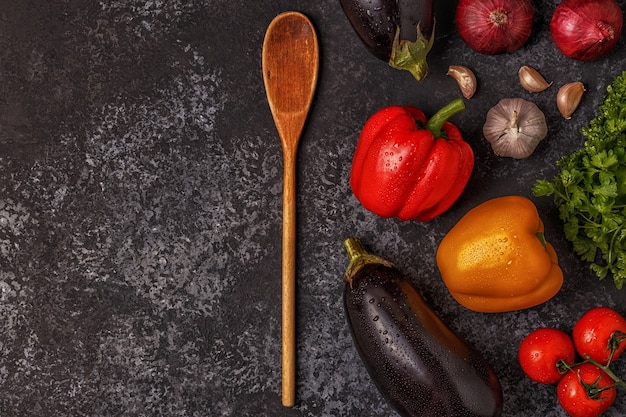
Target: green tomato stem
(607,369)
(435,123)
(616,338)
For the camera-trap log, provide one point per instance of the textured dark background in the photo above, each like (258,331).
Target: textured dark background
(140,209)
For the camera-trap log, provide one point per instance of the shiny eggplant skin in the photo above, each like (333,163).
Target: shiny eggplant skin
(419,365)
(399,32)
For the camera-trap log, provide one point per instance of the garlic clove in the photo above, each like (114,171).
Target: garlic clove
(531,80)
(465,78)
(568,98)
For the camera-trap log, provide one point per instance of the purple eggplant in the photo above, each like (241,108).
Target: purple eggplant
(400,32)
(420,366)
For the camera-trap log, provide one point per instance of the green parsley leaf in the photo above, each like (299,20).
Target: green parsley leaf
(590,189)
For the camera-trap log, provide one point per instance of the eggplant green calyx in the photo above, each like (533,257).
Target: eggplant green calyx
(435,123)
(411,55)
(359,257)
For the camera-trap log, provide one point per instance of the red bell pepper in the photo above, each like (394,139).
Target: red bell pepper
(409,167)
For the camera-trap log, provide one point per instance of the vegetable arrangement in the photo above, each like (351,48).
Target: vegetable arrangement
(496,259)
(402,33)
(586,388)
(419,365)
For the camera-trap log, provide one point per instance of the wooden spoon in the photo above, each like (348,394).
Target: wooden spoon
(290,66)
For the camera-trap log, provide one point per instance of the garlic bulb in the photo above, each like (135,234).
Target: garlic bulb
(514,127)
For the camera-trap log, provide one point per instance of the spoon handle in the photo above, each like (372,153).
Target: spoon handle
(289,281)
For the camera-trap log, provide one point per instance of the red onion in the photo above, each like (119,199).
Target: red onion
(494,26)
(586,29)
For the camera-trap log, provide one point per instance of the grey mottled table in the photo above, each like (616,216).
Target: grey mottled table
(140,209)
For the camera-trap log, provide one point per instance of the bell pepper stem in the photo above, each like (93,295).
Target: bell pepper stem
(435,123)
(542,238)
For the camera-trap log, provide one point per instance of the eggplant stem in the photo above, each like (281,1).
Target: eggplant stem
(411,56)
(359,257)
(435,123)
(355,248)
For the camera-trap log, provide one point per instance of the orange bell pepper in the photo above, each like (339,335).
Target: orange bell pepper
(496,259)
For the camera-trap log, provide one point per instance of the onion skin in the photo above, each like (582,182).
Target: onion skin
(586,30)
(493,27)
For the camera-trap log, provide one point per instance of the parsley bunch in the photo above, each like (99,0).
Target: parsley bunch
(590,188)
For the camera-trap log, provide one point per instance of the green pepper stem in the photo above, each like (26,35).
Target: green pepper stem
(438,119)
(542,238)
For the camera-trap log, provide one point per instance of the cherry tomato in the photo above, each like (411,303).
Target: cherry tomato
(592,334)
(540,351)
(575,397)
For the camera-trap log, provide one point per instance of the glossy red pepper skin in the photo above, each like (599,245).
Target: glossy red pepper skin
(402,169)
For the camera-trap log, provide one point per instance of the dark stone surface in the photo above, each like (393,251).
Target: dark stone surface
(140,209)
